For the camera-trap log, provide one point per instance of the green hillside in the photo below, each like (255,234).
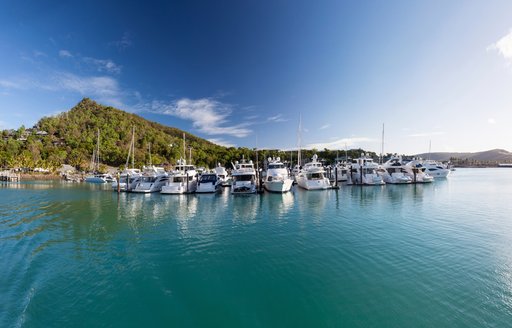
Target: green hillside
(70,138)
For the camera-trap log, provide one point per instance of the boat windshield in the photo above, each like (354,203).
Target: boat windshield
(243,177)
(208,178)
(315,176)
(276,166)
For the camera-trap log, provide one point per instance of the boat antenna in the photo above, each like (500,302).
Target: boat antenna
(149,149)
(184,151)
(299,141)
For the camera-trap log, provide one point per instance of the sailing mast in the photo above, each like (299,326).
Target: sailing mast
(429,148)
(131,150)
(382,145)
(299,141)
(97,160)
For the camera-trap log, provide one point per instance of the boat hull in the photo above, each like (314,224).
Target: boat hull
(278,186)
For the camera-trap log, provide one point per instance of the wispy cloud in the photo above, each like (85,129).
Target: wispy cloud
(65,54)
(426,134)
(124,42)
(325,126)
(208,115)
(100,65)
(277,118)
(103,65)
(491,121)
(340,143)
(8,84)
(221,142)
(504,47)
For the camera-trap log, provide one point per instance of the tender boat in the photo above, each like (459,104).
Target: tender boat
(244,178)
(209,183)
(312,176)
(393,171)
(363,171)
(182,180)
(277,178)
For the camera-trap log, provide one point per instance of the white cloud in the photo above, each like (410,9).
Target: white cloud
(221,142)
(325,126)
(65,54)
(277,118)
(491,121)
(339,144)
(426,134)
(207,115)
(504,46)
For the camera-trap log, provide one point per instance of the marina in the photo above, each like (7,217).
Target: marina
(432,254)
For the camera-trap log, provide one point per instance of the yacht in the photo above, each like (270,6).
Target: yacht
(244,178)
(341,171)
(223,175)
(99,178)
(436,169)
(312,176)
(363,171)
(209,183)
(393,171)
(277,178)
(415,170)
(126,178)
(182,180)
(152,180)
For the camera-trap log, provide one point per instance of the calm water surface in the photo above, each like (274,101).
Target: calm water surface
(438,255)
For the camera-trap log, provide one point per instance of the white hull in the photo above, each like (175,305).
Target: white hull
(179,188)
(439,173)
(208,188)
(243,187)
(95,180)
(278,185)
(320,184)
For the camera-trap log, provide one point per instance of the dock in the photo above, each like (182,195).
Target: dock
(8,176)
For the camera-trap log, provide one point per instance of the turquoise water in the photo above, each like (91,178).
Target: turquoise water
(439,255)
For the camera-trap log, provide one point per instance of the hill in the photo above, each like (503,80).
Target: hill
(494,155)
(70,138)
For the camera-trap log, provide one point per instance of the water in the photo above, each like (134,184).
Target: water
(439,255)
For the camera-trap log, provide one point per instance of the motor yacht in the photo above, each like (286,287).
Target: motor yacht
(393,171)
(277,178)
(126,178)
(417,172)
(182,180)
(209,183)
(152,180)
(223,175)
(363,171)
(312,176)
(244,178)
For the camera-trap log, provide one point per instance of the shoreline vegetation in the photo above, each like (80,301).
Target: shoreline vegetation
(64,144)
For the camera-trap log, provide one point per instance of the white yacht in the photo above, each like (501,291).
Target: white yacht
(99,178)
(209,183)
(223,175)
(126,178)
(393,171)
(182,180)
(312,176)
(415,170)
(152,180)
(244,178)
(363,171)
(436,169)
(277,178)
(340,172)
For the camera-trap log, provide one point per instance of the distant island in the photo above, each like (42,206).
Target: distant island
(70,138)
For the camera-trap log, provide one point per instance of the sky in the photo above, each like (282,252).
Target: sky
(241,73)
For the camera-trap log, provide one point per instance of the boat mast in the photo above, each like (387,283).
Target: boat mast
(133,147)
(299,136)
(98,152)
(382,145)
(429,148)
(184,151)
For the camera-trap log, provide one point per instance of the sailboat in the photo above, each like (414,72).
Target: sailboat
(97,177)
(129,175)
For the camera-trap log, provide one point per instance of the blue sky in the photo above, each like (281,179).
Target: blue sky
(241,72)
